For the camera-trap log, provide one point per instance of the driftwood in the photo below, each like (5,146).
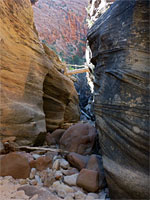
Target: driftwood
(88,117)
(43,149)
(77,71)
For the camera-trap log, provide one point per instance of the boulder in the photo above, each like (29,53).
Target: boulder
(77,160)
(78,138)
(119,42)
(95,163)
(88,180)
(35,96)
(54,137)
(15,165)
(41,163)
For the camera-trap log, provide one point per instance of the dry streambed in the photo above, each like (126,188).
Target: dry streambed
(44,175)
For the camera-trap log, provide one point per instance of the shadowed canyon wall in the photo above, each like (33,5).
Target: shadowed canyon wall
(30,73)
(119,42)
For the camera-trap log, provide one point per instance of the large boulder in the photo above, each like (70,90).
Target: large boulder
(119,42)
(32,87)
(78,138)
(15,165)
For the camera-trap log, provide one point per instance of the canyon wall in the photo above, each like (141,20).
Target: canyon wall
(119,42)
(35,95)
(62,25)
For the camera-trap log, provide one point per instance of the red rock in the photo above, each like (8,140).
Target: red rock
(95,163)
(42,163)
(88,180)
(15,165)
(77,160)
(79,138)
(54,137)
(68,36)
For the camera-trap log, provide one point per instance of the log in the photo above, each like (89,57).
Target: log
(77,71)
(43,149)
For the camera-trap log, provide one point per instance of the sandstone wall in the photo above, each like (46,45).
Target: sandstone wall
(26,70)
(119,41)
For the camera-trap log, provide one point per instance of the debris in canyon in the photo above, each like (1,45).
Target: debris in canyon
(43,174)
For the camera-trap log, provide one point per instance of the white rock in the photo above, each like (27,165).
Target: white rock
(64,164)
(37,178)
(56,165)
(22,181)
(71,180)
(69,197)
(59,187)
(62,193)
(58,175)
(35,197)
(33,182)
(35,156)
(94,195)
(80,195)
(90,198)
(32,173)
(102,195)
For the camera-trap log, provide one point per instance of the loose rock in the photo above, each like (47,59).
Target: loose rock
(78,138)
(54,137)
(89,180)
(95,163)
(64,164)
(71,180)
(15,165)
(79,195)
(77,160)
(56,165)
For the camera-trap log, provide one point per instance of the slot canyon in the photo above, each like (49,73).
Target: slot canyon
(74,99)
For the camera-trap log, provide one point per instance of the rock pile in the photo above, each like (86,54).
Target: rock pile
(42,174)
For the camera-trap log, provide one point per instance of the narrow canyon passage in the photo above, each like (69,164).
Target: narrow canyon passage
(70,135)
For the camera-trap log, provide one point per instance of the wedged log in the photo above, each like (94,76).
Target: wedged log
(32,88)
(77,71)
(119,42)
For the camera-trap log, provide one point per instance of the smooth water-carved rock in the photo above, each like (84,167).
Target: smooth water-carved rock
(32,86)
(79,138)
(119,42)
(15,165)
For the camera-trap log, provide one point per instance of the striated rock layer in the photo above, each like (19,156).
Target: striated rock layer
(32,86)
(119,42)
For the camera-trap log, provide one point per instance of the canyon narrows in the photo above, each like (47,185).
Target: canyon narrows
(48,150)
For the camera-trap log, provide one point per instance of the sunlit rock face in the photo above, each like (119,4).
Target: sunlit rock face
(35,95)
(119,42)
(96,8)
(62,25)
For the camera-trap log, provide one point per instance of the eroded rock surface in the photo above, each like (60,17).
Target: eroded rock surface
(79,138)
(119,41)
(32,88)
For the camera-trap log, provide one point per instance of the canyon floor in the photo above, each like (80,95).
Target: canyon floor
(51,173)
